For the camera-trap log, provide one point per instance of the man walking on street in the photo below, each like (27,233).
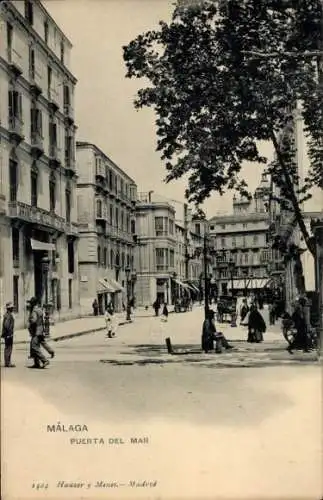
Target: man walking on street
(8,327)
(36,330)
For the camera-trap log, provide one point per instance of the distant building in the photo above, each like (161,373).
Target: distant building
(106,200)
(169,249)
(37,162)
(155,250)
(240,241)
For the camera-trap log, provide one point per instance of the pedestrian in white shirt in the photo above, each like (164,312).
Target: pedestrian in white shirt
(110,321)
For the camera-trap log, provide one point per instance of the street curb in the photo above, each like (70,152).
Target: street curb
(72,335)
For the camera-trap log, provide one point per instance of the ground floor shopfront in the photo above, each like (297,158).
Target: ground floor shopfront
(39,260)
(165,288)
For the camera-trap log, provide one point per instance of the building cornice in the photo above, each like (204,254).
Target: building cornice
(89,145)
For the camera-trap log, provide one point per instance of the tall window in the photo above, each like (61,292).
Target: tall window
(15,247)
(32,63)
(111,258)
(66,97)
(16,294)
(52,138)
(223,243)
(13,180)
(34,185)
(68,204)
(234,243)
(52,192)
(9,40)
(99,208)
(70,294)
(122,261)
(62,51)
(29,13)
(71,257)
(255,239)
(133,227)
(36,123)
(198,228)
(99,255)
(171,258)
(15,105)
(105,257)
(49,79)
(122,220)
(111,215)
(160,226)
(117,218)
(161,259)
(46,31)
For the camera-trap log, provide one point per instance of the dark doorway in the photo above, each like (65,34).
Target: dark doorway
(38,274)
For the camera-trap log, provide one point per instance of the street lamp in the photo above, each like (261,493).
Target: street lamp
(128,271)
(45,268)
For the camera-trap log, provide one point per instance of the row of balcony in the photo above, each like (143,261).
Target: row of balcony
(35,215)
(37,146)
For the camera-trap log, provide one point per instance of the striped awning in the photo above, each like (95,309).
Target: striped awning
(180,283)
(117,287)
(103,287)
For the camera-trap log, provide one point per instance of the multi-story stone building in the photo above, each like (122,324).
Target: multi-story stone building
(241,243)
(169,259)
(106,198)
(37,169)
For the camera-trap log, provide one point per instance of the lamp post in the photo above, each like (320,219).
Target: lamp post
(128,271)
(45,267)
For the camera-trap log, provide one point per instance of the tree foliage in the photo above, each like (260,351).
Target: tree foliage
(216,94)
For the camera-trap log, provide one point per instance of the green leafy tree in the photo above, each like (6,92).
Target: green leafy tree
(224,75)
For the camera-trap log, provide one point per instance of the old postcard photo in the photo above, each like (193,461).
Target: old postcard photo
(161,249)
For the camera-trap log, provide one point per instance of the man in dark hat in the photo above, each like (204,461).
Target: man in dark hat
(36,330)
(8,327)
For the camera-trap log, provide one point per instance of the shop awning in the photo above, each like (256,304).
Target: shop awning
(103,287)
(41,245)
(117,287)
(237,284)
(180,283)
(194,287)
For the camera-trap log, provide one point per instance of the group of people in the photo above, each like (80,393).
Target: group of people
(157,306)
(36,331)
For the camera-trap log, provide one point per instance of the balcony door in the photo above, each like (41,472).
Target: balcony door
(38,273)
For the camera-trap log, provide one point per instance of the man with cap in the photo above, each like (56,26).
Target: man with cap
(8,326)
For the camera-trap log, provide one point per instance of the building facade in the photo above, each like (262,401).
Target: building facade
(169,250)
(155,250)
(37,162)
(241,244)
(106,201)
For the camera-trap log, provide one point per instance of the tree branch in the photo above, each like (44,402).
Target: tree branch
(297,211)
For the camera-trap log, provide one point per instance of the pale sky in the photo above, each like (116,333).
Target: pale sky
(104,109)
